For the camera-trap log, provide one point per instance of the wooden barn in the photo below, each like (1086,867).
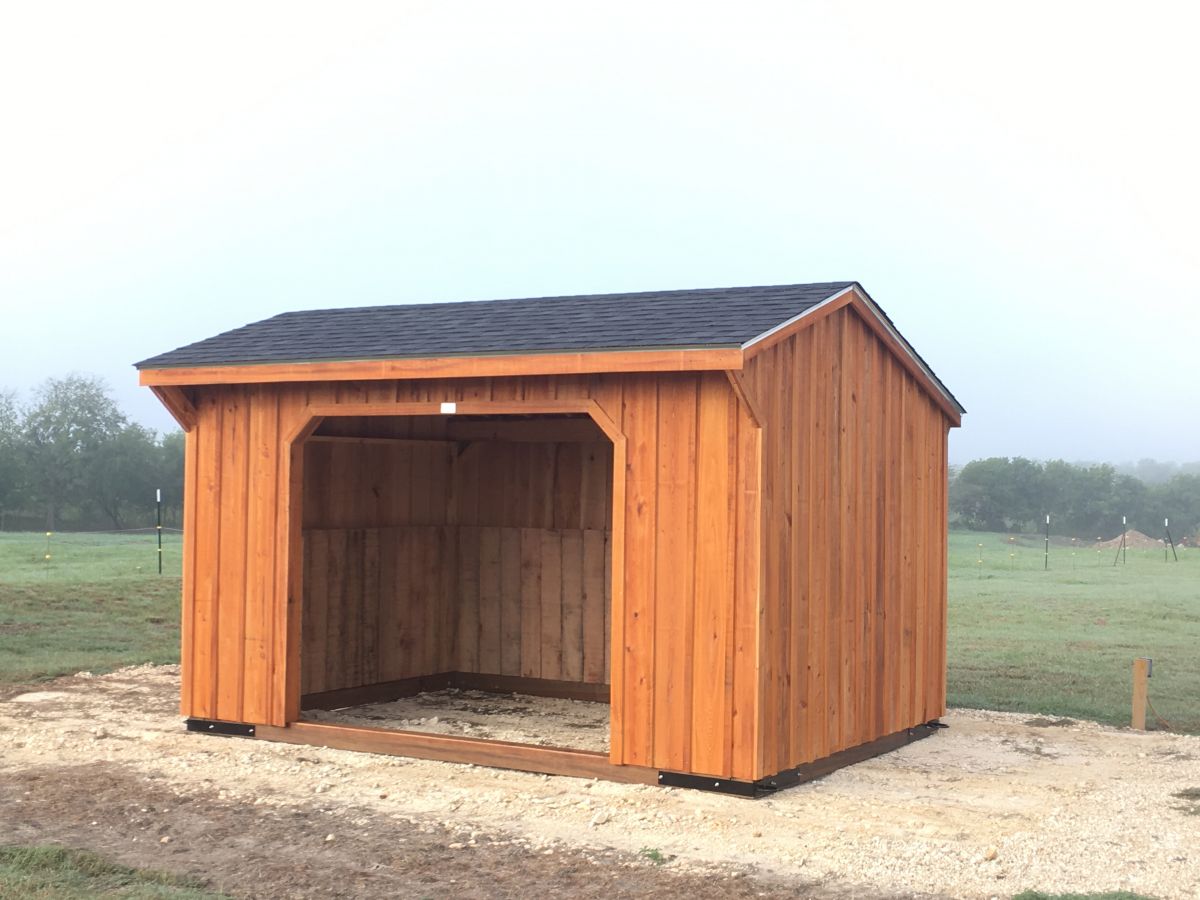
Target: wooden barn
(713,520)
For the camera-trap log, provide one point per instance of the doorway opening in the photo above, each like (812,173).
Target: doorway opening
(457,579)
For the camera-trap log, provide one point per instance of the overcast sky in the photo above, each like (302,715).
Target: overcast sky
(1015,184)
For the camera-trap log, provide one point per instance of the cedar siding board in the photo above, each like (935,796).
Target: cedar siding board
(748,548)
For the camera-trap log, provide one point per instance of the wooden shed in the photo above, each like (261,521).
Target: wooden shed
(720,512)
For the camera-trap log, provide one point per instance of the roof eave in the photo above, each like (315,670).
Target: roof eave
(685,359)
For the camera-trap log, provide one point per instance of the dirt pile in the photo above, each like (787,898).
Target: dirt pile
(1134,540)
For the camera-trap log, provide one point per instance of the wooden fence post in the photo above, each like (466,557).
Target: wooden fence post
(1141,677)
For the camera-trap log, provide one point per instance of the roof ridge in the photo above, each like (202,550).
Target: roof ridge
(672,292)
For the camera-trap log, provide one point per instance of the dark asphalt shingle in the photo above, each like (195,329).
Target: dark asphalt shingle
(718,317)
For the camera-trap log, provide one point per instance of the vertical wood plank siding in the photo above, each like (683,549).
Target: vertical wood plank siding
(686,659)
(415,590)
(854,514)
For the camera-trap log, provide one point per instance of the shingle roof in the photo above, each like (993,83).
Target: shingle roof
(718,317)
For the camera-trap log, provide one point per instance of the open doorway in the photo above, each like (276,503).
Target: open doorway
(457,577)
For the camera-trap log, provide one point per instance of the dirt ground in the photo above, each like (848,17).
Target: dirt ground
(996,804)
(545,721)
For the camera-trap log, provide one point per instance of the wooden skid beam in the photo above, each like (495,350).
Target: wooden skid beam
(445,748)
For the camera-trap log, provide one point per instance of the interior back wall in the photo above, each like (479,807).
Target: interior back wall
(431,555)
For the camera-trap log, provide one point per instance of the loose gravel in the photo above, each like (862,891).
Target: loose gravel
(996,804)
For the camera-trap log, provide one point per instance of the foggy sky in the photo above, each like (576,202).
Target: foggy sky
(1018,192)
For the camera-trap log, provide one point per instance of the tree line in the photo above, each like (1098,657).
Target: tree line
(70,459)
(1084,501)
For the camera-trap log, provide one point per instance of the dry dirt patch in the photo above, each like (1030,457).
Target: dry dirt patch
(989,807)
(521,719)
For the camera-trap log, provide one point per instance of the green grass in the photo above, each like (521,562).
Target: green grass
(1057,643)
(96,604)
(52,873)
(654,855)
(1062,642)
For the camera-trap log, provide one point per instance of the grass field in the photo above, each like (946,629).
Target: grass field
(52,873)
(1021,638)
(96,604)
(1062,642)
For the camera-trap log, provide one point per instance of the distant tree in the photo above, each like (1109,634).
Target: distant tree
(1177,500)
(70,419)
(1082,499)
(12,460)
(121,475)
(998,494)
(170,473)
(1152,471)
(1087,501)
(1129,497)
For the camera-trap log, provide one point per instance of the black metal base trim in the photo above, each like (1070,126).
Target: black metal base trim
(212,726)
(801,774)
(708,783)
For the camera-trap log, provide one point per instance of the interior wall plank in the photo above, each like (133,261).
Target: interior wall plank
(510,601)
(316,555)
(369,632)
(572,605)
(594,636)
(468,605)
(551,604)
(531,602)
(378,602)
(489,600)
(335,601)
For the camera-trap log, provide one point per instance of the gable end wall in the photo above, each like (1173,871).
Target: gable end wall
(854,542)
